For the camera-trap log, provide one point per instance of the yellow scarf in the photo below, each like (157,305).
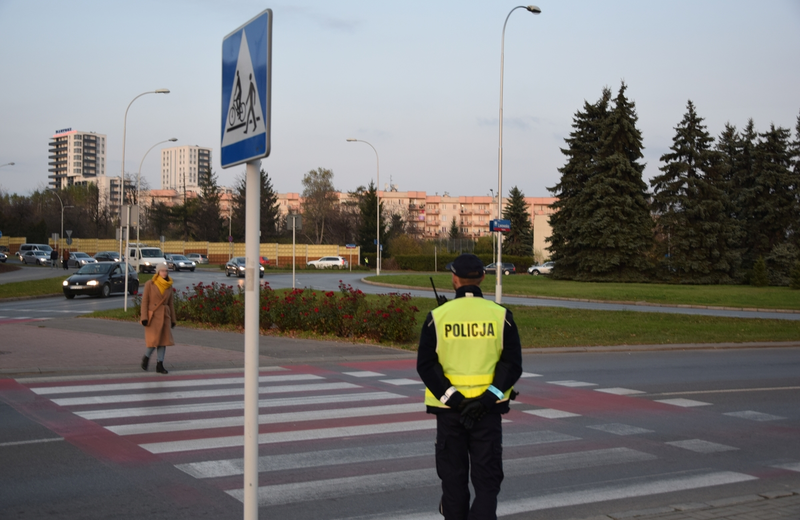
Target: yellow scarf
(161,283)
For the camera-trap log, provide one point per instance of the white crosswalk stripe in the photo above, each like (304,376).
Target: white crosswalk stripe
(328,437)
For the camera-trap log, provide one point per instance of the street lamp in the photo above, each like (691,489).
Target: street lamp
(63,207)
(378,197)
(122,174)
(138,211)
(498,294)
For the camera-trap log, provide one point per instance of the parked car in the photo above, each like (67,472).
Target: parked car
(236,267)
(329,261)
(197,258)
(24,248)
(107,256)
(100,279)
(4,249)
(36,257)
(507,268)
(78,259)
(544,268)
(263,260)
(3,257)
(180,262)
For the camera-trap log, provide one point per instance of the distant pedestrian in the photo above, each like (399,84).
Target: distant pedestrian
(53,258)
(65,259)
(158,316)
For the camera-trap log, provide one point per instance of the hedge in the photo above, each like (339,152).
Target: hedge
(426,262)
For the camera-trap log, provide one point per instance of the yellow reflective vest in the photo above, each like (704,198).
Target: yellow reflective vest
(469,342)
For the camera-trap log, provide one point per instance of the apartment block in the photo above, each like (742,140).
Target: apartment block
(183,168)
(76,158)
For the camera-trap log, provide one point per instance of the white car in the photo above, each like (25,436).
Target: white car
(36,258)
(545,268)
(329,261)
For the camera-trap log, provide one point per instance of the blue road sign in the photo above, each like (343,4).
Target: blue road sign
(246,91)
(500,225)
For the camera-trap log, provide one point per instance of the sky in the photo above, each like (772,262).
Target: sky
(419,80)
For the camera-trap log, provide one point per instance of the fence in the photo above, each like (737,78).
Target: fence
(279,255)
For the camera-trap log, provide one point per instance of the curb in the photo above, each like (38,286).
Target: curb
(588,300)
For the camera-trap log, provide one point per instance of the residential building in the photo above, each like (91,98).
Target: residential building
(431,216)
(76,158)
(183,168)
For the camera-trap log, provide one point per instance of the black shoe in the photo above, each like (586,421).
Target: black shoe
(145,363)
(160,368)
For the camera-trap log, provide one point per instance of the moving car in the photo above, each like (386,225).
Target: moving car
(24,248)
(80,259)
(507,268)
(545,268)
(36,257)
(100,279)
(3,257)
(197,258)
(236,267)
(329,261)
(145,258)
(180,262)
(107,256)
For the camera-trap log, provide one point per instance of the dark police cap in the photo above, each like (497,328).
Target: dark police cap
(466,266)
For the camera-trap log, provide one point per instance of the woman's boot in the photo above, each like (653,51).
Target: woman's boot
(160,368)
(145,363)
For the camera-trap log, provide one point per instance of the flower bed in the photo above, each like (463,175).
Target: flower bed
(346,314)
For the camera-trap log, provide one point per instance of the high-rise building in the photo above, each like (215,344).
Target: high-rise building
(76,158)
(183,168)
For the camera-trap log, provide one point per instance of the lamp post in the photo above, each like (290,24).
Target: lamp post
(138,213)
(122,173)
(63,207)
(378,197)
(498,294)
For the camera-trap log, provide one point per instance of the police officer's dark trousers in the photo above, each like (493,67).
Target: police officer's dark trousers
(461,452)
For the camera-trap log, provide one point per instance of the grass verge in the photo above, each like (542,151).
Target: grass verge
(739,296)
(543,327)
(45,287)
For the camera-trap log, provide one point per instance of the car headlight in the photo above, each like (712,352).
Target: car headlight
(241,268)
(65,283)
(147,264)
(91,282)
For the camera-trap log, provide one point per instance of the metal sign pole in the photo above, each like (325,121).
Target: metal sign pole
(127,250)
(294,228)
(251,338)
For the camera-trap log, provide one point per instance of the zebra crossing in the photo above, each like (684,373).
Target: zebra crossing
(360,445)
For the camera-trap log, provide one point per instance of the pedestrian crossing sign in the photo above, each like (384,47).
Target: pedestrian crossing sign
(246,91)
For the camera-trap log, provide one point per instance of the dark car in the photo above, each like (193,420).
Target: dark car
(507,268)
(107,256)
(3,257)
(179,262)
(236,267)
(100,279)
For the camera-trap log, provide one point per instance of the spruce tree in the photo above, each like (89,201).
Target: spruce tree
(269,209)
(774,201)
(455,231)
(760,275)
(742,189)
(615,235)
(794,277)
(207,222)
(696,232)
(368,226)
(582,149)
(518,241)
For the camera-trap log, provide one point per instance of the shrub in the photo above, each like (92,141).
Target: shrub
(759,276)
(794,277)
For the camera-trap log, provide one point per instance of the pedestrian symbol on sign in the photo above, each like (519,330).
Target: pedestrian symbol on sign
(244,115)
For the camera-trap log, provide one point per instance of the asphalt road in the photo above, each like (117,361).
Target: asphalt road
(590,434)
(327,281)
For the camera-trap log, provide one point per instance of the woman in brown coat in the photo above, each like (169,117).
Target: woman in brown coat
(158,316)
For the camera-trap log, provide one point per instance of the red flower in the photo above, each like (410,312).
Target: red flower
(316,309)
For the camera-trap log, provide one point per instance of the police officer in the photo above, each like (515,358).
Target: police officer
(469,357)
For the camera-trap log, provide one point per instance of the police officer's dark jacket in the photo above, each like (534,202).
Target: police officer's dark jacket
(480,340)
